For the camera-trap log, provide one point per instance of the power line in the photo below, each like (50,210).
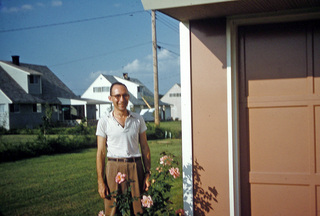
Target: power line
(175,45)
(160,47)
(111,52)
(103,54)
(163,78)
(166,23)
(164,19)
(69,22)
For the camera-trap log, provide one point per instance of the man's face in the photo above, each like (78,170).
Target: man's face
(119,97)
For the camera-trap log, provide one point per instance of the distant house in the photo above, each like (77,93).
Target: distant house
(25,89)
(141,97)
(173,97)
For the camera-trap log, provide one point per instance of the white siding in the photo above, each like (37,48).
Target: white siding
(4,110)
(20,76)
(173,97)
(101,81)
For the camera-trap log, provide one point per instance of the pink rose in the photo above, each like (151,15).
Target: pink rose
(146,201)
(101,213)
(165,160)
(174,172)
(120,178)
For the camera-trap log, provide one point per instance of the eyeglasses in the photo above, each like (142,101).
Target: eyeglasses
(118,96)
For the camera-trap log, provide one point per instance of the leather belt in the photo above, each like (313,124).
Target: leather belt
(127,160)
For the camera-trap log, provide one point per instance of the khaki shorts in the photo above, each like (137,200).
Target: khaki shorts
(133,171)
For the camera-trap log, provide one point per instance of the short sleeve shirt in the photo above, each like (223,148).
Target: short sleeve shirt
(122,142)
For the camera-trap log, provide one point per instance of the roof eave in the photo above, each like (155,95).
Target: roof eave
(204,9)
(165,4)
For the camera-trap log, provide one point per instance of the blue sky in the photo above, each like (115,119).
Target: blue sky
(80,39)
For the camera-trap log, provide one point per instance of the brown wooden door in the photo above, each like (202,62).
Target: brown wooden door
(279,97)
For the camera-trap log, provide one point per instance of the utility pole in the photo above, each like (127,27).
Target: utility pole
(155,69)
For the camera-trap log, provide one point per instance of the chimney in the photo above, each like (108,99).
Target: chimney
(15,60)
(125,76)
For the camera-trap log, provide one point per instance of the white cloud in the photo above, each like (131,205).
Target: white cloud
(29,7)
(25,7)
(9,10)
(56,3)
(164,54)
(137,66)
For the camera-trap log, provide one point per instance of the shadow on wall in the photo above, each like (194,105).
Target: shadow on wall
(202,198)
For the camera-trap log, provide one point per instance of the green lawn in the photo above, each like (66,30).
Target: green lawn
(172,125)
(65,184)
(15,138)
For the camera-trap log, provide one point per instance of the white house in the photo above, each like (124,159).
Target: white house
(140,96)
(173,97)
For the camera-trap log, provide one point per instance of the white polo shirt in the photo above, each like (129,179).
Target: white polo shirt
(122,142)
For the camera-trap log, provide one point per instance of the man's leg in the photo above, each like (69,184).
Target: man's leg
(137,174)
(111,172)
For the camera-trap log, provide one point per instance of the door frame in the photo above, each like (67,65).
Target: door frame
(233,22)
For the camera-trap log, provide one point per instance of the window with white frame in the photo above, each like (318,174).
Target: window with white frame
(105,89)
(175,95)
(101,89)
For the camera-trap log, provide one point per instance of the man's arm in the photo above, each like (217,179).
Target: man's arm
(101,157)
(146,157)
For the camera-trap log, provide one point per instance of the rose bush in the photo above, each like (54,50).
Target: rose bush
(161,179)
(155,201)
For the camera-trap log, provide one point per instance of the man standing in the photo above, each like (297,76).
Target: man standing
(119,134)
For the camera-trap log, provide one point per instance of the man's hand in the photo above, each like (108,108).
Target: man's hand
(103,190)
(146,182)
(145,150)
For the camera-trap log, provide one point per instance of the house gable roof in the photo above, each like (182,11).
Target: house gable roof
(14,91)
(110,78)
(52,86)
(175,86)
(22,68)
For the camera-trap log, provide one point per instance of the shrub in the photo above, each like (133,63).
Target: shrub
(154,133)
(69,139)
(45,145)
(3,130)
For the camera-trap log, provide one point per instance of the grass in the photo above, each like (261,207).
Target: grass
(17,138)
(172,125)
(65,184)
(23,138)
